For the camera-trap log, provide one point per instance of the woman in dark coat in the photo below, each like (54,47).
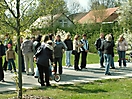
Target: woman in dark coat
(107,49)
(43,54)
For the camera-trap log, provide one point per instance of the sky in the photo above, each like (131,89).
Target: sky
(84,3)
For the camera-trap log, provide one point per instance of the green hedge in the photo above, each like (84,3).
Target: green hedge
(92,30)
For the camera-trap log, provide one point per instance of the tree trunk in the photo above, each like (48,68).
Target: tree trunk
(19,52)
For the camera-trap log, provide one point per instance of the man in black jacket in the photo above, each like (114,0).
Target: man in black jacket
(98,44)
(2,52)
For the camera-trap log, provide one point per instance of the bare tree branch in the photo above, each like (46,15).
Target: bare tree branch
(2,5)
(26,8)
(10,9)
(130,12)
(9,24)
(27,22)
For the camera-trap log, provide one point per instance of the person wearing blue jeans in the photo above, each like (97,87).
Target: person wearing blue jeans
(112,63)
(107,49)
(69,44)
(101,58)
(122,47)
(68,58)
(98,45)
(122,57)
(10,64)
(10,57)
(107,58)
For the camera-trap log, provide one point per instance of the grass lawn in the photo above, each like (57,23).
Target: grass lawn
(92,58)
(101,89)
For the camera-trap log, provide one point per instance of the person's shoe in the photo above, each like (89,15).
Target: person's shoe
(32,74)
(70,65)
(2,80)
(11,71)
(27,74)
(108,74)
(78,70)
(42,85)
(35,76)
(15,71)
(5,70)
(23,71)
(48,85)
(112,68)
(102,67)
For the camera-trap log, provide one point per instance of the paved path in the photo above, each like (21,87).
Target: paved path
(69,76)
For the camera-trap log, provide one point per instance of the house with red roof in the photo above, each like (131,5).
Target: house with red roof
(99,16)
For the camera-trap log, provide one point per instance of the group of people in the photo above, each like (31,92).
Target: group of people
(105,46)
(7,51)
(50,51)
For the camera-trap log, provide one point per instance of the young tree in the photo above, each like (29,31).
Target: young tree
(15,16)
(20,14)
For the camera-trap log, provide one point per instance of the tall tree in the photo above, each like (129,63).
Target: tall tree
(125,18)
(97,4)
(98,10)
(75,7)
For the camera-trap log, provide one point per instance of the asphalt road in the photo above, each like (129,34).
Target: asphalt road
(69,76)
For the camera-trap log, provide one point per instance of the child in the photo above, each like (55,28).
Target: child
(10,57)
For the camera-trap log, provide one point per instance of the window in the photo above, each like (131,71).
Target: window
(63,23)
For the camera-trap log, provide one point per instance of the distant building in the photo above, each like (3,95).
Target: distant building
(98,16)
(77,16)
(60,20)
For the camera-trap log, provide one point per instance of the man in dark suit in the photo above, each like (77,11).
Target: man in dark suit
(98,44)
